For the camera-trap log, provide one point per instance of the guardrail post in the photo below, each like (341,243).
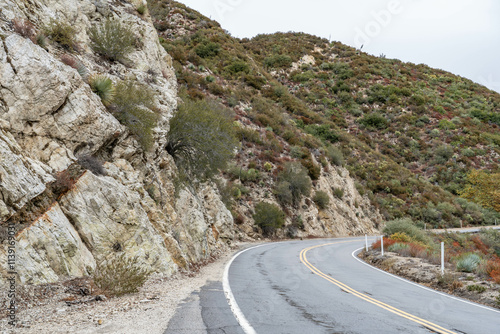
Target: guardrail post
(382,244)
(442,258)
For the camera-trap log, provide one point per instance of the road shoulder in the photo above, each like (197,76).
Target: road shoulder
(463,285)
(148,311)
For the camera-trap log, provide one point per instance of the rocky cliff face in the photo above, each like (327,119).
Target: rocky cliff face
(50,117)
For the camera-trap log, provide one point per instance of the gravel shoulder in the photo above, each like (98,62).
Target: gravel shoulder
(67,307)
(464,285)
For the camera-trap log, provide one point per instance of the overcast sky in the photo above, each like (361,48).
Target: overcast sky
(460,36)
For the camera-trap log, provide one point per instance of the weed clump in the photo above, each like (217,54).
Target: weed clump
(120,275)
(63,34)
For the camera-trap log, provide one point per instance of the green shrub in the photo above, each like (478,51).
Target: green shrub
(446,125)
(201,138)
(293,183)
(132,106)
(335,156)
(467,152)
(120,276)
(298,152)
(477,288)
(269,217)
(102,85)
(244,175)
(321,199)
(468,262)
(278,61)
(112,40)
(62,33)
(407,226)
(398,247)
(238,66)
(374,121)
(313,170)
(338,192)
(443,153)
(207,50)
(323,132)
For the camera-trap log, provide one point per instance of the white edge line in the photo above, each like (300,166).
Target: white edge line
(421,286)
(245,325)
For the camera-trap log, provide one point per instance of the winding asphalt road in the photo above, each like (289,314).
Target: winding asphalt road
(319,286)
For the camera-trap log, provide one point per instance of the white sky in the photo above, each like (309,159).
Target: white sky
(460,36)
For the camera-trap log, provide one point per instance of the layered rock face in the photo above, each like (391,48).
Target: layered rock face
(49,117)
(347,214)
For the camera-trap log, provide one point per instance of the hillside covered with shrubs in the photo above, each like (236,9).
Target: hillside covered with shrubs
(421,143)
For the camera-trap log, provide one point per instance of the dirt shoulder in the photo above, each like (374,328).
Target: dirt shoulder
(67,307)
(464,285)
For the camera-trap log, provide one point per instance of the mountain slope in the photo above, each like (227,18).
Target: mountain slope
(410,134)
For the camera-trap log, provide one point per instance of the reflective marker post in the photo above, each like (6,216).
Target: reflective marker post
(382,244)
(442,258)
(366,242)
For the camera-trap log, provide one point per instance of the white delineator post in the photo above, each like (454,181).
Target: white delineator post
(382,244)
(366,242)
(442,258)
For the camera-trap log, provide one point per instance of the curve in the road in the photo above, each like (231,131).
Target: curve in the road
(346,288)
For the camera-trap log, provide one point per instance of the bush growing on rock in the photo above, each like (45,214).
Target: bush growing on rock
(201,138)
(132,106)
(335,155)
(112,39)
(293,183)
(338,192)
(269,217)
(321,199)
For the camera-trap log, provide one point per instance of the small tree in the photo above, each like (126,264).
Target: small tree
(201,139)
(269,217)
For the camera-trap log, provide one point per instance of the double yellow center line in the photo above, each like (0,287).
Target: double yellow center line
(346,288)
